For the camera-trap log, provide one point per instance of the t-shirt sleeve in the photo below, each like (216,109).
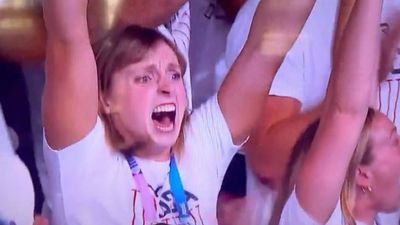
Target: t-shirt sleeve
(208,132)
(294,214)
(79,176)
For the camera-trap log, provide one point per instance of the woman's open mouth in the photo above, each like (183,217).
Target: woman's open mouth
(163,117)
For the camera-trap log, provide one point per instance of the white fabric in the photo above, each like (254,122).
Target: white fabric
(388,99)
(178,31)
(259,201)
(389,89)
(92,184)
(16,189)
(207,45)
(294,214)
(5,141)
(389,219)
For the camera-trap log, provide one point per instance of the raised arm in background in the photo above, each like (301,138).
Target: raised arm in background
(285,118)
(354,74)
(274,29)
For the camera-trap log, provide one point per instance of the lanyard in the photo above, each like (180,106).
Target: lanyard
(148,201)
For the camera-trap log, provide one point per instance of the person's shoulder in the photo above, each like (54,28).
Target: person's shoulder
(206,125)
(94,143)
(199,115)
(293,213)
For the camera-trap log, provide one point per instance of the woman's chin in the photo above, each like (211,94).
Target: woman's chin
(164,139)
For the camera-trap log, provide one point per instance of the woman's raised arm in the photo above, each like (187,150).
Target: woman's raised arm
(274,29)
(70,100)
(354,76)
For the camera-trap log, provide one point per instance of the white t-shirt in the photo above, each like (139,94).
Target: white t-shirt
(388,99)
(178,31)
(92,184)
(294,214)
(16,189)
(389,219)
(5,142)
(259,201)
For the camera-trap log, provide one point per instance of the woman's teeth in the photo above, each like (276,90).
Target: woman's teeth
(164,108)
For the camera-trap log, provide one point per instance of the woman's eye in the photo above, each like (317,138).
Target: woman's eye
(143,79)
(176,76)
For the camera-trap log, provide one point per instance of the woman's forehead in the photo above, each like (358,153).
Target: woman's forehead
(162,54)
(156,58)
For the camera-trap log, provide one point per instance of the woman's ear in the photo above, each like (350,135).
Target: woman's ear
(105,104)
(363,177)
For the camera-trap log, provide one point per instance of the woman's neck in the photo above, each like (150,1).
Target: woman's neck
(152,153)
(363,210)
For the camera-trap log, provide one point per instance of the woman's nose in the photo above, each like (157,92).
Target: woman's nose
(164,87)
